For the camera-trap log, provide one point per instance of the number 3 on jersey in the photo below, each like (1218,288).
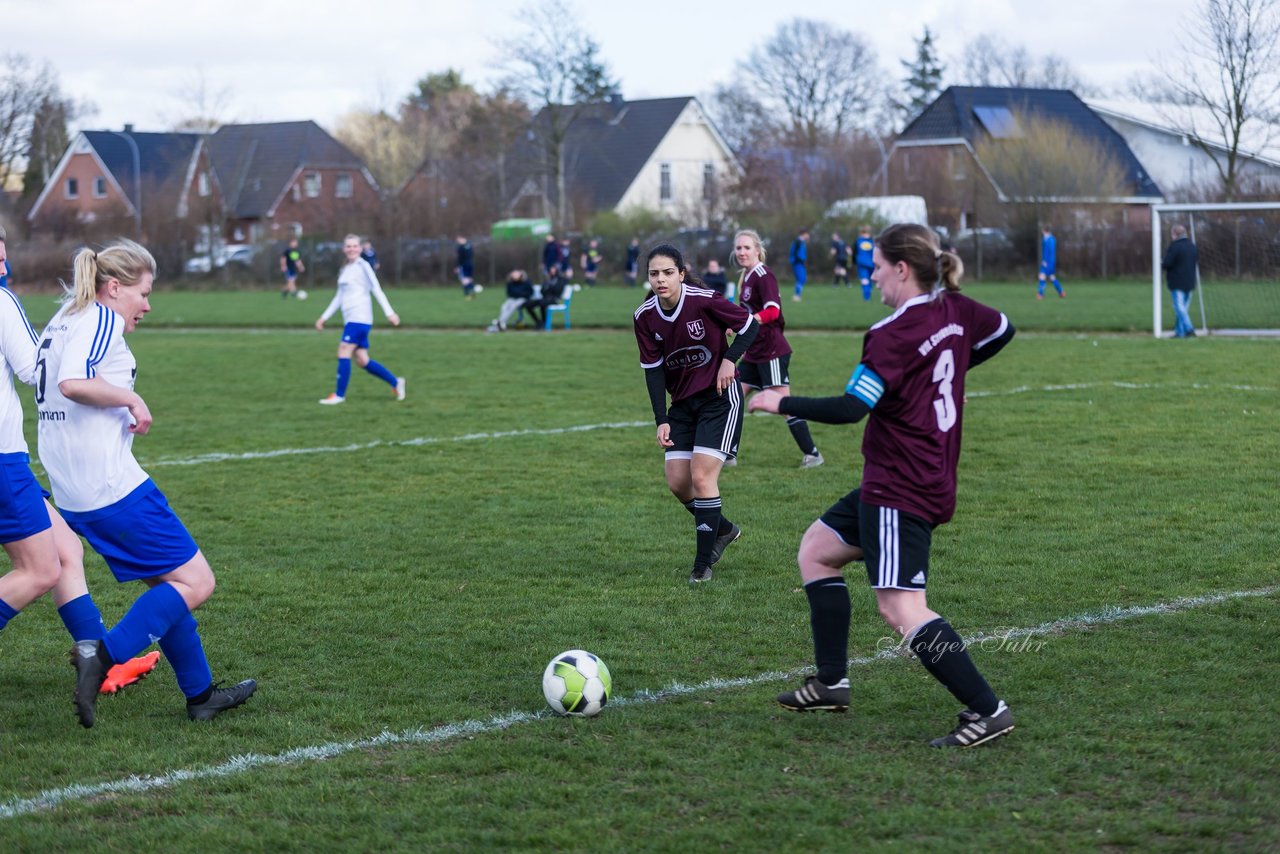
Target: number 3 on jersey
(944,405)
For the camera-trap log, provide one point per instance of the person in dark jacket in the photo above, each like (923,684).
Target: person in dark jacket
(550,256)
(713,277)
(519,296)
(1179,265)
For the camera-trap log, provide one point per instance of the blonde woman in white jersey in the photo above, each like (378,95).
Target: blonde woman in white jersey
(43,551)
(89,415)
(356,283)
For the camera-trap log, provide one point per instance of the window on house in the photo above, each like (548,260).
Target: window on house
(664,183)
(99,187)
(296,192)
(959,165)
(311,184)
(72,188)
(708,181)
(202,184)
(342,186)
(998,121)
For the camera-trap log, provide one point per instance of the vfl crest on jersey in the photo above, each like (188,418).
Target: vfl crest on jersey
(689,357)
(746,293)
(696,330)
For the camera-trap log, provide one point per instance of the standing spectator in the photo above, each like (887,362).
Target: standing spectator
(591,263)
(839,260)
(633,262)
(466,267)
(370,257)
(864,249)
(1048,263)
(550,257)
(767,362)
(291,265)
(89,416)
(566,260)
(713,277)
(357,283)
(680,330)
(914,395)
(799,257)
(519,296)
(1180,268)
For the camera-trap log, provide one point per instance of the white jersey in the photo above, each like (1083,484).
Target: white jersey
(18,352)
(355,283)
(87,450)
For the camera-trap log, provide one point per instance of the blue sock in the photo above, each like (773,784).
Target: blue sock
(6,613)
(381,373)
(344,377)
(184,652)
(82,619)
(150,618)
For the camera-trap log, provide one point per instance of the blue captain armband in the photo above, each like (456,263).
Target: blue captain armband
(865,385)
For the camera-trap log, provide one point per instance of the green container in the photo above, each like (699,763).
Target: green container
(520,229)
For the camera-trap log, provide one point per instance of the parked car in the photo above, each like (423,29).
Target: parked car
(237,254)
(992,239)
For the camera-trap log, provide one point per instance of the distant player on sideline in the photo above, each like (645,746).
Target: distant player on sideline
(632,267)
(680,330)
(799,258)
(550,257)
(591,263)
(356,283)
(1049,263)
(466,267)
(863,251)
(839,260)
(910,382)
(89,415)
(291,265)
(370,257)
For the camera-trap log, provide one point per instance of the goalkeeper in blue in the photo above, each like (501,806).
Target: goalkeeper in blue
(1049,263)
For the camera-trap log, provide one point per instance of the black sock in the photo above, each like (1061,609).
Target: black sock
(202,697)
(800,432)
(829,618)
(943,654)
(706,518)
(725,525)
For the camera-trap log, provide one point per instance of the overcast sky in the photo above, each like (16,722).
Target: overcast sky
(282,60)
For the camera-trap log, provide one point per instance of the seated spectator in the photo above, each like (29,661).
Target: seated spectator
(714,277)
(519,296)
(552,292)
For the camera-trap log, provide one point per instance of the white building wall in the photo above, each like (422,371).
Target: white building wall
(689,146)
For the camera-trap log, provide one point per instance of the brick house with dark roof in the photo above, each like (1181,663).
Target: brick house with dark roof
(126,182)
(287,178)
(936,155)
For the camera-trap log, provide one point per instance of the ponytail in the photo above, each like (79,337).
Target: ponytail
(950,269)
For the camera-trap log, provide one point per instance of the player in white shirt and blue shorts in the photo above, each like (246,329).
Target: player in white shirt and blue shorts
(45,554)
(356,284)
(89,415)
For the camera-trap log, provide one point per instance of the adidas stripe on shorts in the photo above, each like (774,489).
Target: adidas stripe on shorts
(895,545)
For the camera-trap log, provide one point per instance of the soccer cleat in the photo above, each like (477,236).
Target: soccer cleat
(399,388)
(700,574)
(133,670)
(221,699)
(89,657)
(813,696)
(331,400)
(723,541)
(975,728)
(812,461)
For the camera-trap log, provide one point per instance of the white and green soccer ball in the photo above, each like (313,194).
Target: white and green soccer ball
(301,294)
(479,288)
(577,683)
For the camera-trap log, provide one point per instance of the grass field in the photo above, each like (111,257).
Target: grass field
(396,576)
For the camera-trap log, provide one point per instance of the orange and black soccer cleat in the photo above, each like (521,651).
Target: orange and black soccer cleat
(133,670)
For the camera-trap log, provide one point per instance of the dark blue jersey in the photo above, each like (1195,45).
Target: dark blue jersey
(841,251)
(551,256)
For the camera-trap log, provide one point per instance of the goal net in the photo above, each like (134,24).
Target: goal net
(1238,291)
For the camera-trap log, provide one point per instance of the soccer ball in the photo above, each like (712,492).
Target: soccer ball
(479,289)
(576,683)
(302,294)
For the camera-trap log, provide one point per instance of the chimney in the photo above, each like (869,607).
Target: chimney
(128,128)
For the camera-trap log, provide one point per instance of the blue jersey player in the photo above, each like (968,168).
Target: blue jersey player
(799,258)
(863,250)
(1049,263)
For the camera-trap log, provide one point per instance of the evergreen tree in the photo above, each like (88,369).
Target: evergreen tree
(924,77)
(46,143)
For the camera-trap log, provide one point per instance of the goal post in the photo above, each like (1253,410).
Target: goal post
(1238,276)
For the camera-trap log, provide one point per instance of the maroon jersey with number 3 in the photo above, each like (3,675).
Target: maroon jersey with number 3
(689,341)
(760,290)
(911,445)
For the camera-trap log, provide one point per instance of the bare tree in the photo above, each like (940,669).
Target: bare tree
(203,106)
(554,66)
(24,86)
(819,78)
(49,139)
(989,60)
(1226,80)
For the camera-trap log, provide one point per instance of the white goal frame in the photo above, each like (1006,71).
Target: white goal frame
(1157,296)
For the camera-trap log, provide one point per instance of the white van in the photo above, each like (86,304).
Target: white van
(891,209)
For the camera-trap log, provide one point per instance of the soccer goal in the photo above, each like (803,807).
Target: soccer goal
(1239,276)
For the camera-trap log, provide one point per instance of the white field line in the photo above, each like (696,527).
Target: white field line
(52,798)
(583,428)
